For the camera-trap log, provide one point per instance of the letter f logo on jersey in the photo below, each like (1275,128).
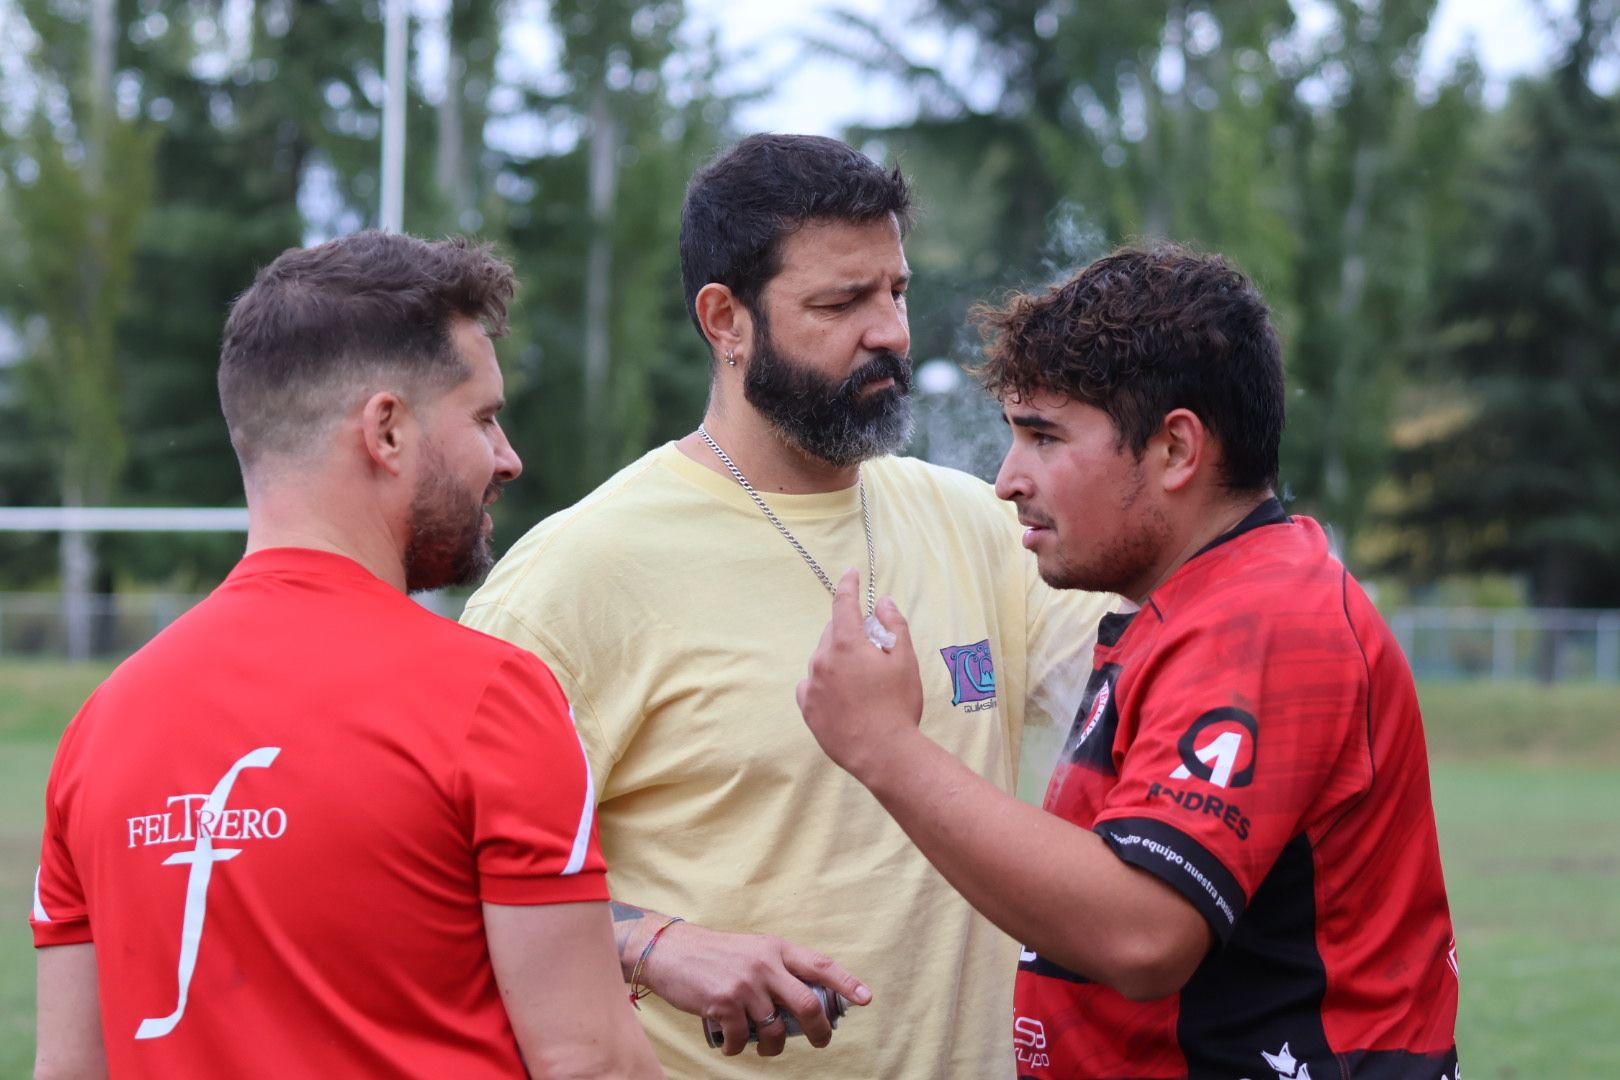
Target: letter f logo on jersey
(1219,747)
(201,858)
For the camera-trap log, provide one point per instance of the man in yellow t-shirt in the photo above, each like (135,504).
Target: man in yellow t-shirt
(678,605)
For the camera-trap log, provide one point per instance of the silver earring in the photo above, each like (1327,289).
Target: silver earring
(731,357)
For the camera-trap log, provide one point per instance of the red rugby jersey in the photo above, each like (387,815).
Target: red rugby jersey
(1252,737)
(279,820)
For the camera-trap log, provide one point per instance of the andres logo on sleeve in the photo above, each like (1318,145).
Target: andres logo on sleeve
(1218,749)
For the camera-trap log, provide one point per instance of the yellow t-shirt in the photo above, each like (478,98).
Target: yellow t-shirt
(679,623)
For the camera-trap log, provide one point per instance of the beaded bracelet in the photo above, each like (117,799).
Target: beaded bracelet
(637,991)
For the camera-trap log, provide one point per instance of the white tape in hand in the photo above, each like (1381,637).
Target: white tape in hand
(878,634)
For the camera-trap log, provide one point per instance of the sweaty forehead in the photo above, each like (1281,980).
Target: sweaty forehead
(481,367)
(1038,401)
(1049,410)
(470,339)
(820,253)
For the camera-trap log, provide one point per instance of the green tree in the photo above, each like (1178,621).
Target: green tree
(269,118)
(261,124)
(1351,126)
(1511,464)
(79,180)
(1111,122)
(257,129)
(607,361)
(1305,157)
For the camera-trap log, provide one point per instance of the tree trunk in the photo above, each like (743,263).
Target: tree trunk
(76,550)
(603,179)
(451,162)
(1166,116)
(77,553)
(1336,480)
(1552,588)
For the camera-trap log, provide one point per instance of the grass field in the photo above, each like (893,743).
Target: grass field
(1526,789)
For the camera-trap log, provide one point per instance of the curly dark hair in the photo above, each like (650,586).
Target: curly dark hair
(1141,332)
(319,321)
(741,205)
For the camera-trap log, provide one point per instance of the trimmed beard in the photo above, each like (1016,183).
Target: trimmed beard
(1126,566)
(447,544)
(826,419)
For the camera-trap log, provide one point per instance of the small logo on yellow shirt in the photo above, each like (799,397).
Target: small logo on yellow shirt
(973,675)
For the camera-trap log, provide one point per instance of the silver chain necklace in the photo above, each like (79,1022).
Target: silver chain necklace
(866,524)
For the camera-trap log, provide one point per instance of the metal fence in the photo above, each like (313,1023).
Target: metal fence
(35,624)
(1441,643)
(1551,644)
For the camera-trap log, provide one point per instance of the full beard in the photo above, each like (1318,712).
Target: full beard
(447,544)
(1122,571)
(833,421)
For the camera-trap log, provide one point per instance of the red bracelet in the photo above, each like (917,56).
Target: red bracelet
(637,991)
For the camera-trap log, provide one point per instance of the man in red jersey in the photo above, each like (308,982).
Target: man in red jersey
(313,829)
(1236,873)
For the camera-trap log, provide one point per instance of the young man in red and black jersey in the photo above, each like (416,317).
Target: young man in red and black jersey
(1236,873)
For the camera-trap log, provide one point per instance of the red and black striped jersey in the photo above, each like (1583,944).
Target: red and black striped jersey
(1252,737)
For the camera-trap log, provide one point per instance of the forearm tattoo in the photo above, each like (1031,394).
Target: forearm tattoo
(622,912)
(625,917)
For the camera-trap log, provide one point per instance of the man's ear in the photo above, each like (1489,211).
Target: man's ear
(385,427)
(1185,448)
(725,321)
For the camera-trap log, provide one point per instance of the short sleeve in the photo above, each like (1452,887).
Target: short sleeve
(59,915)
(527,792)
(1247,731)
(498,620)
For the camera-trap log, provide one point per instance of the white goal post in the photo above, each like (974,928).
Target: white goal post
(123,519)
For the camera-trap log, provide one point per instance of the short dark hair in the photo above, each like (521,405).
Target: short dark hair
(1141,332)
(320,319)
(742,204)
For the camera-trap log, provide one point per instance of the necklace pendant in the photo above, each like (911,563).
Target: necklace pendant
(878,634)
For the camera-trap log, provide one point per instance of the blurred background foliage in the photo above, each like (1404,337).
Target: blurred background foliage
(1446,271)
